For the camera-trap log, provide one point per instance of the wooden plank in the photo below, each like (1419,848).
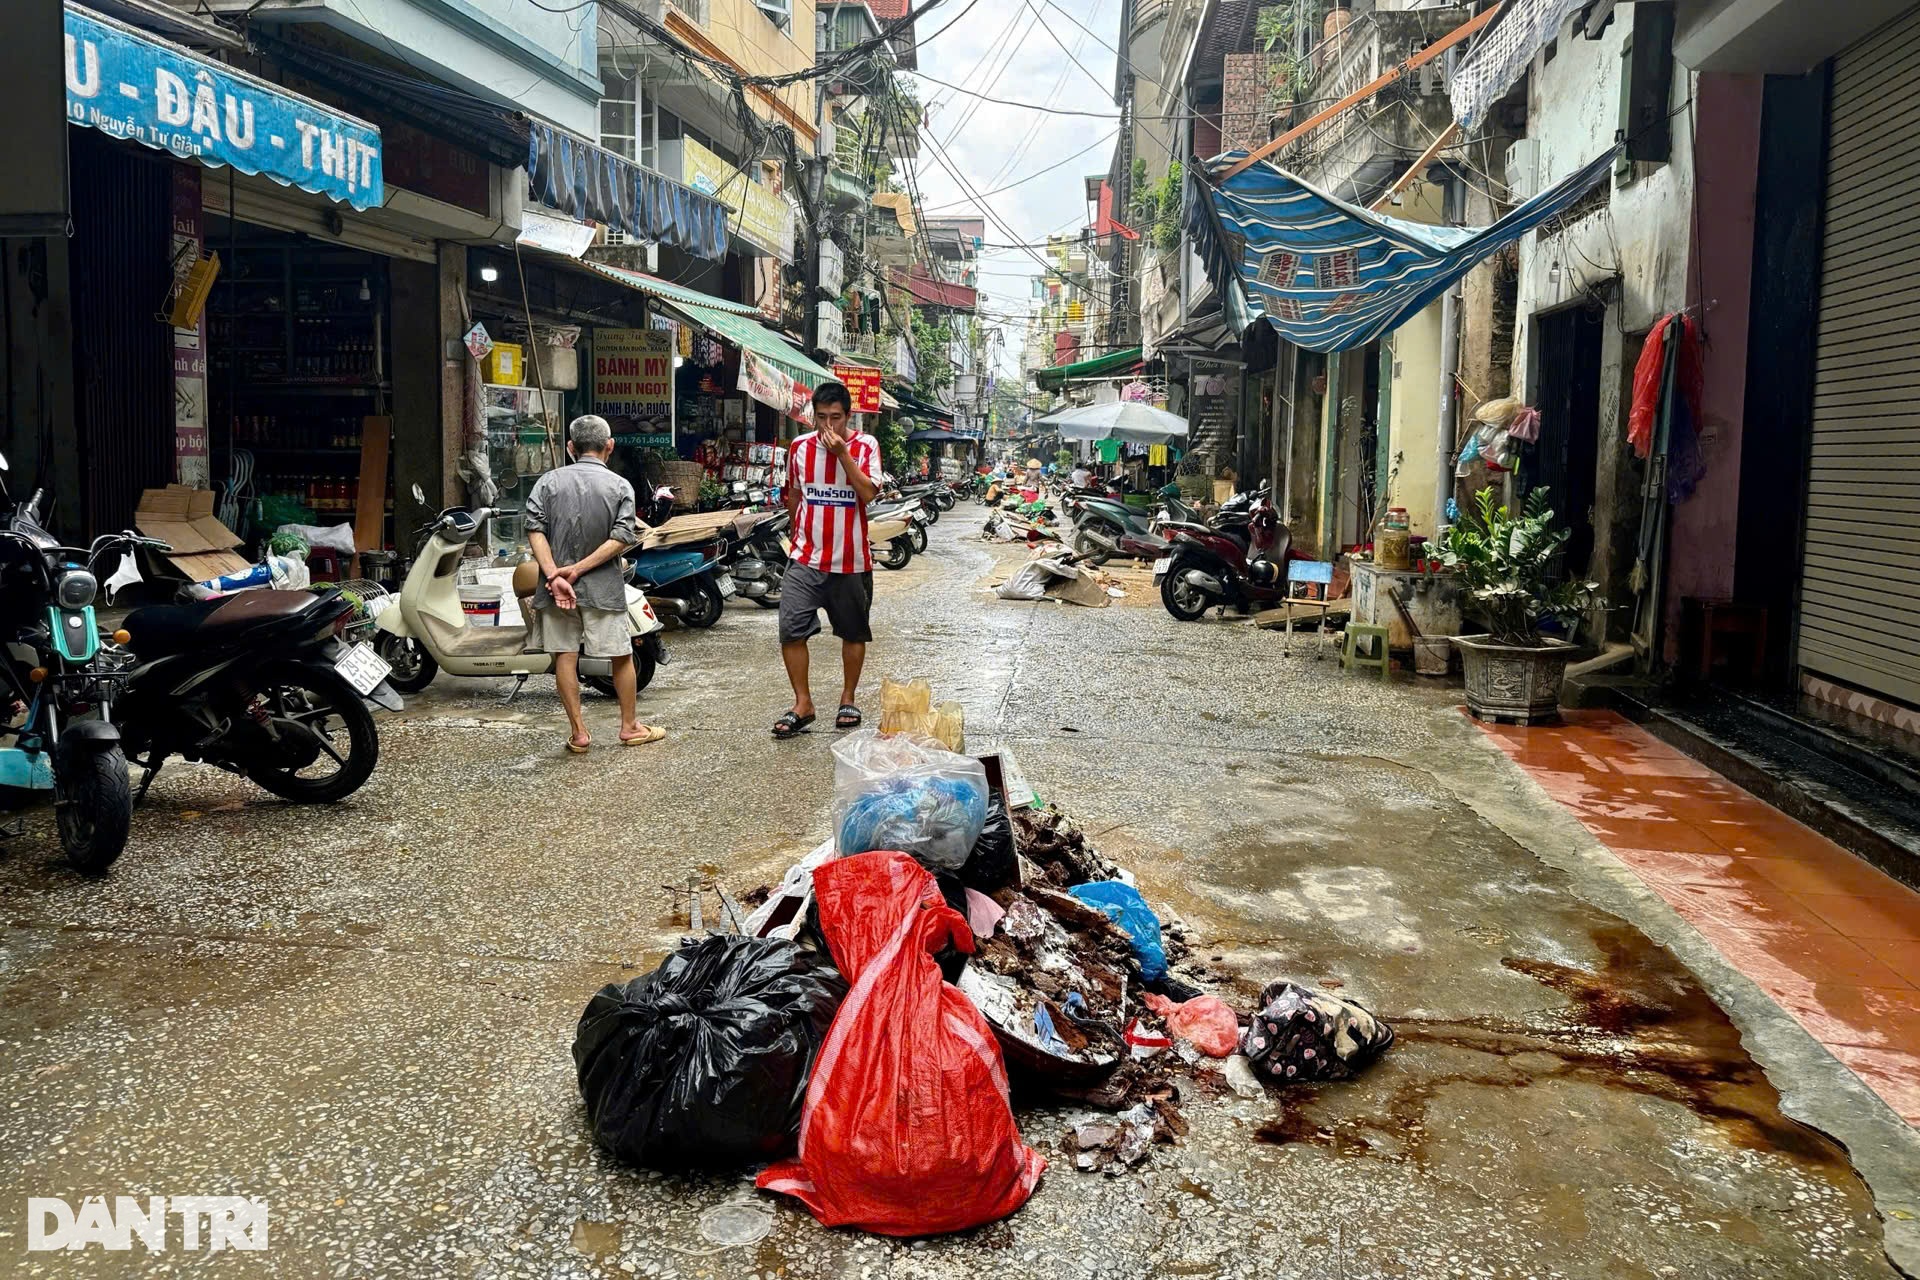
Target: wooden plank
(1275,619)
(1366,91)
(370,511)
(1414,170)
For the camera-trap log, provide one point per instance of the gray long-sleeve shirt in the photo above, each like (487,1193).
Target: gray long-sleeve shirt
(578,507)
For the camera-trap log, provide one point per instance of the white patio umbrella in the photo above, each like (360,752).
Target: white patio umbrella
(1127,420)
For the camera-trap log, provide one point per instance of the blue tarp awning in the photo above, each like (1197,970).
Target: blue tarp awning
(593,184)
(1331,276)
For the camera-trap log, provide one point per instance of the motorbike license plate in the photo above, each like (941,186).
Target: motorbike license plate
(363,668)
(727,588)
(1161,566)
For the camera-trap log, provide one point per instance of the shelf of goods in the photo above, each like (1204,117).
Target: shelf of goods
(297,363)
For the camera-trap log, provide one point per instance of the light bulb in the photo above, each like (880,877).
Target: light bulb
(489,274)
(1553,275)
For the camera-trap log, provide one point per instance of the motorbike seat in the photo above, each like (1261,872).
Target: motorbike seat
(162,630)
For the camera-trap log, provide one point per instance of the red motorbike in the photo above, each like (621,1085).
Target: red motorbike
(1238,561)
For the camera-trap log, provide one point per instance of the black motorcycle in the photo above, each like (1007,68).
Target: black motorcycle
(259,684)
(61,691)
(759,564)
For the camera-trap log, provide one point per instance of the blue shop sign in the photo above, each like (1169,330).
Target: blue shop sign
(131,85)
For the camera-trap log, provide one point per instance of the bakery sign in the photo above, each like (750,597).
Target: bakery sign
(633,383)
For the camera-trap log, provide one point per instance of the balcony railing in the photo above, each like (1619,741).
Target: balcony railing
(1404,123)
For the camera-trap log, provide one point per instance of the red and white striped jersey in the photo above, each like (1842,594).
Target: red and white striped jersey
(830,529)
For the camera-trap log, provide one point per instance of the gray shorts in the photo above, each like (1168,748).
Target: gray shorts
(847,598)
(598,633)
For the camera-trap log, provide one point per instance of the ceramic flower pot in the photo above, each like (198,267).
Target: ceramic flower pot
(1519,684)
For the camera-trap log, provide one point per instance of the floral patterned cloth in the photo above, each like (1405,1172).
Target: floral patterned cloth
(1301,1034)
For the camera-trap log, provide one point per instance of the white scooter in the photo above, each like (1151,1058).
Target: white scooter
(430,630)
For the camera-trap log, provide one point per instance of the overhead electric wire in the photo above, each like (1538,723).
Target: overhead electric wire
(1105,138)
(1006,43)
(1008,102)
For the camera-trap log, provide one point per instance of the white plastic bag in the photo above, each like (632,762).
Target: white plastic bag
(336,537)
(907,792)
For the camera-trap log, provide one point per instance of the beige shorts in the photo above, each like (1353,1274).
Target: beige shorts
(598,633)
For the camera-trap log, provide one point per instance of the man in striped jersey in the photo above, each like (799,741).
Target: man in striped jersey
(829,484)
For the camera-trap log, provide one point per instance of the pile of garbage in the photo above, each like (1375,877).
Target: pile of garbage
(873,1014)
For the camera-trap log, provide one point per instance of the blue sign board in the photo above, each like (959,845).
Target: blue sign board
(131,85)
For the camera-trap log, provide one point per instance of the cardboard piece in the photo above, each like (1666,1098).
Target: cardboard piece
(703,526)
(183,518)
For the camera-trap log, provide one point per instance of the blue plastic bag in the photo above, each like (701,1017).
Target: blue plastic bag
(1122,904)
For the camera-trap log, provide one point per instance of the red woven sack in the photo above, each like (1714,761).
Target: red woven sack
(906,1129)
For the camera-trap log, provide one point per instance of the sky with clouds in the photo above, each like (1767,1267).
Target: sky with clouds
(1008,49)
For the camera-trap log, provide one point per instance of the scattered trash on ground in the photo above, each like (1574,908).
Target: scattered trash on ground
(988,943)
(1300,1034)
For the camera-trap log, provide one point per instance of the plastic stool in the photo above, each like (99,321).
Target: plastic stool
(1350,655)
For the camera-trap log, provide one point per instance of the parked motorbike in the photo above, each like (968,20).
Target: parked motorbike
(63,736)
(257,683)
(889,536)
(688,583)
(1104,528)
(428,613)
(761,564)
(1206,566)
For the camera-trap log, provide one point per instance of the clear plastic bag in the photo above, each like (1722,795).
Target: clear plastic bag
(908,792)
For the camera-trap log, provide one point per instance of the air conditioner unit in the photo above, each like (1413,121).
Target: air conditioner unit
(1523,169)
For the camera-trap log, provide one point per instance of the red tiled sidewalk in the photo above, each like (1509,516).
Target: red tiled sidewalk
(1833,941)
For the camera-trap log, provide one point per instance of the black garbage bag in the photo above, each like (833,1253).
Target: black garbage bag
(992,864)
(704,1061)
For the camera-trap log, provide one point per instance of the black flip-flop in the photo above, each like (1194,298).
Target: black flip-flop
(791,726)
(848,718)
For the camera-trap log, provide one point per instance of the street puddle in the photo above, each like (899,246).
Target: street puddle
(596,1239)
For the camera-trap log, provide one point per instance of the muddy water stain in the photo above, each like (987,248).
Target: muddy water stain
(1640,1024)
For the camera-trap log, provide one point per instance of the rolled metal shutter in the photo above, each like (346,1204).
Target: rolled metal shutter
(267,204)
(1860,587)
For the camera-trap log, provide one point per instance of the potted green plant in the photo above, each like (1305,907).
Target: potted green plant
(1505,564)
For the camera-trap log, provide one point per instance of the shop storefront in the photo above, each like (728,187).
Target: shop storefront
(161,342)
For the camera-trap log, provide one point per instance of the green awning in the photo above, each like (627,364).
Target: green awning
(1114,362)
(750,335)
(665,290)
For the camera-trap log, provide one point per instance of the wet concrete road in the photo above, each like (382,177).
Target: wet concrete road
(364,1014)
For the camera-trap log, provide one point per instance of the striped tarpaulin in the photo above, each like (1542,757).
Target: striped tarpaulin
(1331,276)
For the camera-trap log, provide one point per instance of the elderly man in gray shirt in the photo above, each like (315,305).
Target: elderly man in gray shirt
(579,519)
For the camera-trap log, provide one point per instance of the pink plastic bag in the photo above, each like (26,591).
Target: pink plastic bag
(906,1129)
(1208,1021)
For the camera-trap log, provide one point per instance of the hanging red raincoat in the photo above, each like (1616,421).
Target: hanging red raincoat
(906,1129)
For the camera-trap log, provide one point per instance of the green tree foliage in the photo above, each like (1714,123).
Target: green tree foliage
(1156,206)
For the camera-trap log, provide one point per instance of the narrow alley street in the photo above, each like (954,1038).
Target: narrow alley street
(363,1014)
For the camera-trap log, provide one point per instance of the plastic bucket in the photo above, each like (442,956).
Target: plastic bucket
(1432,655)
(481,605)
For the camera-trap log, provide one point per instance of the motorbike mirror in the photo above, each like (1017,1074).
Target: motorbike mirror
(419,494)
